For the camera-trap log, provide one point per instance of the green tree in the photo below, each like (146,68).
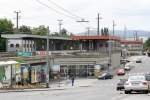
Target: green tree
(6,27)
(41,30)
(55,34)
(105,31)
(147,44)
(64,32)
(102,31)
(25,29)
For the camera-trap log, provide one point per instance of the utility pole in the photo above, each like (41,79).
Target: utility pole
(47,59)
(98,26)
(60,24)
(88,31)
(17,19)
(136,35)
(109,53)
(114,27)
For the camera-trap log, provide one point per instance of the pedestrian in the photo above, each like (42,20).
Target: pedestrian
(72,79)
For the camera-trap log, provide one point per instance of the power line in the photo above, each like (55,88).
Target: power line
(64,9)
(55,10)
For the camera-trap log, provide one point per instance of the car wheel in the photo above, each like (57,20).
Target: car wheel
(146,91)
(129,92)
(117,89)
(126,92)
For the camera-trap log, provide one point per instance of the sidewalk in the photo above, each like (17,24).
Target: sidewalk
(63,85)
(66,84)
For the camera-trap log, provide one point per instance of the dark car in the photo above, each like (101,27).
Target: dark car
(139,61)
(124,61)
(105,76)
(120,84)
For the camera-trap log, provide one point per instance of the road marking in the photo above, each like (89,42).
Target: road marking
(119,97)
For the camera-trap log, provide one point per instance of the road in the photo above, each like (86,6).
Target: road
(100,90)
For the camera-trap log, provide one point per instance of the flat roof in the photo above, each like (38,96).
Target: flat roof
(5,63)
(19,36)
(132,41)
(95,38)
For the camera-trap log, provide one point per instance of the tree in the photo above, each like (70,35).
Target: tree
(41,30)
(102,31)
(25,30)
(64,32)
(147,44)
(55,34)
(105,31)
(6,27)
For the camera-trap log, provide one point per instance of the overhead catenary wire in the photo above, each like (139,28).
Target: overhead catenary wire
(62,8)
(55,10)
(58,12)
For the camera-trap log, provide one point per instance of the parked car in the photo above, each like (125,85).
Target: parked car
(136,83)
(105,76)
(121,71)
(128,66)
(138,60)
(120,84)
(124,61)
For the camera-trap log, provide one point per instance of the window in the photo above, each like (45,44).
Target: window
(30,45)
(24,45)
(27,45)
(12,45)
(17,45)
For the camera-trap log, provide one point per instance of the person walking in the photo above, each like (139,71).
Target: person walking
(72,79)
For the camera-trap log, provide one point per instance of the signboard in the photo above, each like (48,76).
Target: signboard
(24,53)
(42,53)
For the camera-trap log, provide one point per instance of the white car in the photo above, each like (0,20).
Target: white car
(129,65)
(136,83)
(127,68)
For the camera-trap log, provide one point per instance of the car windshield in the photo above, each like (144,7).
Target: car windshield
(148,77)
(136,78)
(104,74)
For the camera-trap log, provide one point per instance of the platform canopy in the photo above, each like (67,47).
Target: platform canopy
(5,63)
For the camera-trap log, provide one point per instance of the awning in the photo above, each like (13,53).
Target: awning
(4,63)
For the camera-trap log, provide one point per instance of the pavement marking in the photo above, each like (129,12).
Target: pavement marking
(119,97)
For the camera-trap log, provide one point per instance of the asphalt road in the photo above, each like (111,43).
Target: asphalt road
(101,90)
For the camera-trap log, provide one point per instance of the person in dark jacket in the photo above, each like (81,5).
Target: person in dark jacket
(72,79)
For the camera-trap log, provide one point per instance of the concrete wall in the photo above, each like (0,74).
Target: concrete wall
(14,42)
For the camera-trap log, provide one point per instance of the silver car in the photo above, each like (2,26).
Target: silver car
(136,83)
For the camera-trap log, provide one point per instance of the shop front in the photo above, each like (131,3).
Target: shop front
(8,73)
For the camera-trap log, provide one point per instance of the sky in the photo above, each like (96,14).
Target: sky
(134,14)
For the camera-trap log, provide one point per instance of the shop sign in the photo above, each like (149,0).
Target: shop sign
(24,53)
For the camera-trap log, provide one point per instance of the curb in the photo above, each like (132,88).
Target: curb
(31,90)
(11,91)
